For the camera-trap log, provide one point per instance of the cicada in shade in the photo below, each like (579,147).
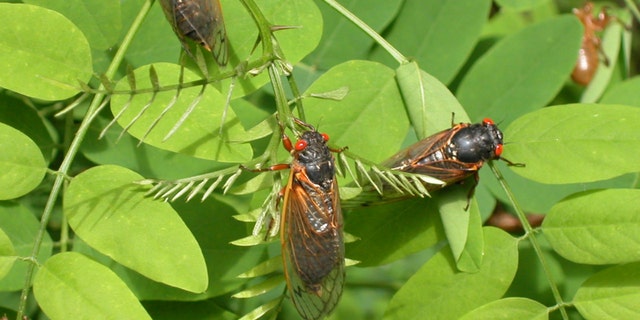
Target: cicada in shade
(311,226)
(200,21)
(453,154)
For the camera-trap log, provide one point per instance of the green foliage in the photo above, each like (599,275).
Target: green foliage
(123,197)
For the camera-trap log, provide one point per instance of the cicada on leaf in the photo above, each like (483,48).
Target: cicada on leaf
(452,155)
(200,21)
(311,226)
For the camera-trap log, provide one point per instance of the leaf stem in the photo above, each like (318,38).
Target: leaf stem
(73,150)
(529,232)
(367,29)
(633,8)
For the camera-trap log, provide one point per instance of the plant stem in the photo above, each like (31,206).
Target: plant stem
(73,150)
(634,10)
(264,26)
(372,33)
(532,238)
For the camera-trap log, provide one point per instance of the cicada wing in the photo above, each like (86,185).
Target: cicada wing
(313,260)
(219,45)
(422,149)
(448,170)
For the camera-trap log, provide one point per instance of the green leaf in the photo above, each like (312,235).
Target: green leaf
(224,260)
(432,33)
(596,227)
(463,228)
(18,114)
(575,143)
(199,135)
(392,231)
(42,54)
(103,204)
(429,103)
(351,42)
(100,21)
(208,309)
(520,5)
(370,120)
(22,164)
(7,254)
(509,308)
(147,160)
(438,288)
(538,197)
(22,227)
(499,85)
(625,92)
(611,294)
(71,286)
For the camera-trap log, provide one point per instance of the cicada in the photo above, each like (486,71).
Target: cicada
(311,226)
(452,155)
(200,21)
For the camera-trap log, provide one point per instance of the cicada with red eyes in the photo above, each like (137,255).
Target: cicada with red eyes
(311,226)
(452,155)
(200,21)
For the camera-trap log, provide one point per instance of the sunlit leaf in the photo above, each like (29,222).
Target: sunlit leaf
(70,285)
(611,294)
(596,227)
(575,143)
(22,164)
(103,204)
(44,60)
(438,288)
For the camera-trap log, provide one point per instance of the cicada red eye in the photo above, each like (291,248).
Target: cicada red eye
(498,150)
(300,145)
(325,137)
(488,122)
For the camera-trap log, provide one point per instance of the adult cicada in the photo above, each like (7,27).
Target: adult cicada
(311,225)
(200,21)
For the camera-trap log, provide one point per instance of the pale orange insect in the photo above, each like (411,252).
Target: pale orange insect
(200,21)
(590,49)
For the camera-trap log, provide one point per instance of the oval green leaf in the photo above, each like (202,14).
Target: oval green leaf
(199,135)
(596,227)
(611,294)
(72,286)
(438,288)
(522,72)
(111,213)
(100,21)
(22,164)
(43,60)
(509,308)
(575,143)
(370,120)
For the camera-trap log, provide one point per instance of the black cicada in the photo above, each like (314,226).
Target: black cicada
(452,155)
(311,226)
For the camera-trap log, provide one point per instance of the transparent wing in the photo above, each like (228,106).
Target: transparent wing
(312,246)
